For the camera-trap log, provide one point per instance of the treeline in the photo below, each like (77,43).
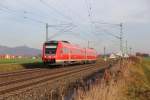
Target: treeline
(142,54)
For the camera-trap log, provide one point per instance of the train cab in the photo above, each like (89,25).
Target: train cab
(49,51)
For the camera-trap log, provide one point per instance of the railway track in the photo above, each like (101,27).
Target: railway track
(8,78)
(20,77)
(16,73)
(22,83)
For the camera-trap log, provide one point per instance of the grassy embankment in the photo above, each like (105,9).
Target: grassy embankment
(140,86)
(133,83)
(16,64)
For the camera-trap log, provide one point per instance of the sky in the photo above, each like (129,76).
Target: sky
(22,22)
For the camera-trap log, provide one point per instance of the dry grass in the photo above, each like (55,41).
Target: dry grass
(101,91)
(140,83)
(132,83)
(10,67)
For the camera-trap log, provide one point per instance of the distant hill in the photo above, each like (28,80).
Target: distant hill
(20,50)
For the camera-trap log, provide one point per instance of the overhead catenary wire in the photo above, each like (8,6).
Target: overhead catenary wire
(59,27)
(66,30)
(24,15)
(24,12)
(90,16)
(89,10)
(11,11)
(35,20)
(41,13)
(82,18)
(7,8)
(55,10)
(75,13)
(120,37)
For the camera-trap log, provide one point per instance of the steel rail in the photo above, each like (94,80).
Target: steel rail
(33,74)
(41,79)
(22,79)
(15,73)
(37,77)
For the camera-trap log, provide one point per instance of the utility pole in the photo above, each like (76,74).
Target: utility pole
(105,58)
(130,51)
(121,42)
(126,47)
(104,51)
(88,44)
(46,31)
(121,37)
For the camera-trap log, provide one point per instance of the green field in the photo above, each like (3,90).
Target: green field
(19,61)
(7,65)
(147,59)
(146,68)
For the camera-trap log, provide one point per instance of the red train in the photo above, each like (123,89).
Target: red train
(63,52)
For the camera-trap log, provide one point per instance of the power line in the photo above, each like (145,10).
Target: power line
(89,11)
(31,13)
(79,17)
(14,12)
(75,13)
(120,37)
(41,12)
(24,12)
(23,16)
(56,11)
(67,27)
(89,7)
(109,33)
(35,20)
(4,7)
(90,15)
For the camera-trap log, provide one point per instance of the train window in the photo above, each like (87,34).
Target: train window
(50,48)
(65,50)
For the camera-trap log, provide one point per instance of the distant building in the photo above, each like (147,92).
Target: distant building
(112,56)
(142,54)
(126,55)
(120,54)
(19,57)
(7,56)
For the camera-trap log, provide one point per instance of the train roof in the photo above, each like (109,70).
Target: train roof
(55,41)
(65,41)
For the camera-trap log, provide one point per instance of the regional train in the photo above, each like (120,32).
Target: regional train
(63,52)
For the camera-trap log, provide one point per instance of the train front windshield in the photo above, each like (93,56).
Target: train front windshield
(50,48)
